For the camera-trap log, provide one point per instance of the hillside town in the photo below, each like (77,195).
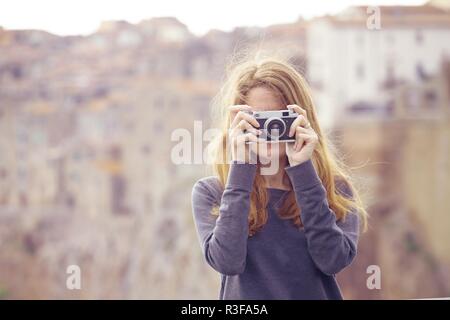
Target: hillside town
(86,176)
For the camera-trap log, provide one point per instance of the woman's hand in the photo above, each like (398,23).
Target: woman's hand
(243,134)
(306,138)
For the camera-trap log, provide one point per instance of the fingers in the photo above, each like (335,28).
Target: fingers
(298,109)
(300,129)
(241,115)
(299,141)
(302,121)
(240,149)
(304,136)
(246,137)
(242,129)
(236,108)
(247,127)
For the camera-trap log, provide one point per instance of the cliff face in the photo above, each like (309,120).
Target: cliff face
(404,168)
(86,176)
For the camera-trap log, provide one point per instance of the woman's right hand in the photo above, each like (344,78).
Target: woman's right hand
(243,133)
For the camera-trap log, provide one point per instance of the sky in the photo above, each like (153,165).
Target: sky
(83,17)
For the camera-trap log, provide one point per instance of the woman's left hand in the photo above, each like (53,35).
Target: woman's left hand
(306,138)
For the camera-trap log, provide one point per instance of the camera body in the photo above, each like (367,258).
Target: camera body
(275,124)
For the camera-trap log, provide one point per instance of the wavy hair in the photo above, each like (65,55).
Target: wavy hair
(279,75)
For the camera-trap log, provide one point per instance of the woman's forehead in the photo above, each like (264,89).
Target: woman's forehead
(263,99)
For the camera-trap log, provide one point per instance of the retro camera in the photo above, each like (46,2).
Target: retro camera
(275,124)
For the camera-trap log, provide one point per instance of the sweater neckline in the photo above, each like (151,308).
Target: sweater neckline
(276,196)
(277,191)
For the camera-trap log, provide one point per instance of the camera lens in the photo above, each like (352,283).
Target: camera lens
(275,128)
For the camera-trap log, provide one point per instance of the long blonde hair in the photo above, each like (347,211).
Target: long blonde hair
(279,75)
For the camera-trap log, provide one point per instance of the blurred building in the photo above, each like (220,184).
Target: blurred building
(351,62)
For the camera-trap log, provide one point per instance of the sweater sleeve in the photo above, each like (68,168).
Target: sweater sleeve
(224,238)
(332,244)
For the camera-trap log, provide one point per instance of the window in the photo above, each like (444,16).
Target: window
(431,100)
(420,72)
(390,79)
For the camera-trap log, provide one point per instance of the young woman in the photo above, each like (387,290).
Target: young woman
(284,235)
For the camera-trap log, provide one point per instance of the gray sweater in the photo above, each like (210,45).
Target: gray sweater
(280,261)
